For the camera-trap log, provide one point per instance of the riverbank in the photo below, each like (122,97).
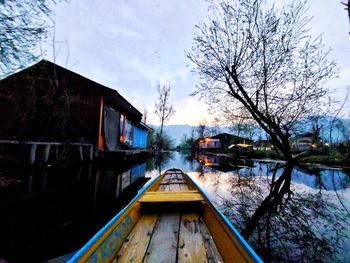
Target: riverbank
(330,160)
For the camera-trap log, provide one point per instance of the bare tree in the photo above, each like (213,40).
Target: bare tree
(144,116)
(164,110)
(336,114)
(202,129)
(22,26)
(239,120)
(262,58)
(215,126)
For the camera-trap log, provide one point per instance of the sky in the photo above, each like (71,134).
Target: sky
(132,46)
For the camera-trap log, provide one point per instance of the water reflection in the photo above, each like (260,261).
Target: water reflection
(49,212)
(288,214)
(111,184)
(222,163)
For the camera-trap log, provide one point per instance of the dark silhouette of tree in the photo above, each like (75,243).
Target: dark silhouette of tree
(166,141)
(202,129)
(215,126)
(279,189)
(261,58)
(164,110)
(186,143)
(144,116)
(282,223)
(22,27)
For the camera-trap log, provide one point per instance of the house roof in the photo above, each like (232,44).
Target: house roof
(301,135)
(79,84)
(143,126)
(221,135)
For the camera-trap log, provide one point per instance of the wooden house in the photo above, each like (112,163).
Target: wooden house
(306,142)
(263,145)
(220,142)
(209,143)
(46,102)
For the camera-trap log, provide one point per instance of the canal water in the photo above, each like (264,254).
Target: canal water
(287,214)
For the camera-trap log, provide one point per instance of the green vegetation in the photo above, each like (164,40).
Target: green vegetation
(335,156)
(154,138)
(186,143)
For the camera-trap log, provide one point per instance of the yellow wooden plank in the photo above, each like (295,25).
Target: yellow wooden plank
(177,181)
(155,186)
(172,193)
(174,187)
(163,188)
(178,187)
(169,177)
(191,247)
(179,176)
(228,246)
(183,187)
(135,246)
(213,255)
(171,197)
(163,245)
(105,248)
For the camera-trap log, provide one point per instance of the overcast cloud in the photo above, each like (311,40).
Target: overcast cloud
(131,46)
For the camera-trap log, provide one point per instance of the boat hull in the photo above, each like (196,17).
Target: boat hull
(170,220)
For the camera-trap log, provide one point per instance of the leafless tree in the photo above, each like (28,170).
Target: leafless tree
(164,110)
(215,126)
(239,120)
(202,129)
(262,58)
(336,114)
(144,116)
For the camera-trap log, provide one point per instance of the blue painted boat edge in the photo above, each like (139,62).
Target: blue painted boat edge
(241,240)
(81,252)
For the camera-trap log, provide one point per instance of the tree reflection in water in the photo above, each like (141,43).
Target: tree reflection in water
(283,221)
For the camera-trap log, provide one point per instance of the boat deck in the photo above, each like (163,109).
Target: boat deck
(173,235)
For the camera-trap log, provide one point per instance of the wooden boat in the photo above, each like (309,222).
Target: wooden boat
(171,220)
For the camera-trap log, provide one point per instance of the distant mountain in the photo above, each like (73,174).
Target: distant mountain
(176,132)
(340,130)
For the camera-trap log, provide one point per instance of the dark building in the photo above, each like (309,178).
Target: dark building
(220,142)
(46,102)
(263,144)
(227,139)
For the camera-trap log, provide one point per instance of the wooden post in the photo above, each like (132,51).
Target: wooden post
(123,135)
(32,156)
(101,145)
(97,182)
(91,152)
(118,188)
(47,152)
(81,153)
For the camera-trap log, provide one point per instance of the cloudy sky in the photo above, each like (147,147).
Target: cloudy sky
(132,45)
